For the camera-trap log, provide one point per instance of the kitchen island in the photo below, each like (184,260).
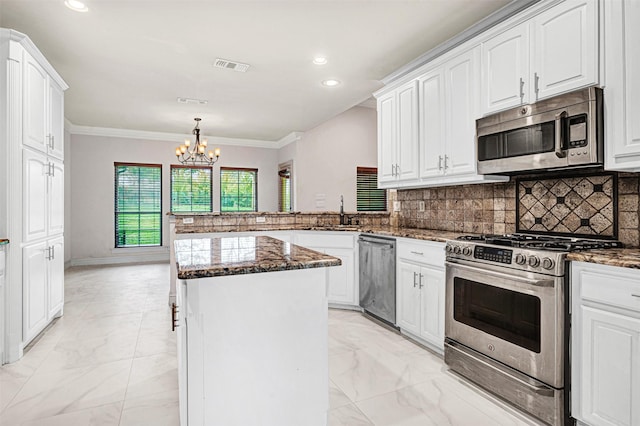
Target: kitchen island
(251,317)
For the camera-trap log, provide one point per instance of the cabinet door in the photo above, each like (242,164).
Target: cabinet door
(565,48)
(610,376)
(461,95)
(35,105)
(181,340)
(56,121)
(35,169)
(34,290)
(342,282)
(56,198)
(407,161)
(431,100)
(56,277)
(505,70)
(408,297)
(432,306)
(622,100)
(387,138)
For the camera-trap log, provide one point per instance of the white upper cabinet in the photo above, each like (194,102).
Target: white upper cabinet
(398,135)
(461,101)
(432,124)
(622,88)
(505,69)
(43,124)
(35,104)
(554,52)
(565,48)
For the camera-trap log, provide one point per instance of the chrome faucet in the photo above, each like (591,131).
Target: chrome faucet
(342,221)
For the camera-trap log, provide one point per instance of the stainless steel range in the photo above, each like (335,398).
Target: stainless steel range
(507,317)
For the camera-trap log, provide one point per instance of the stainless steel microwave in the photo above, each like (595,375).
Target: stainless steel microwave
(556,133)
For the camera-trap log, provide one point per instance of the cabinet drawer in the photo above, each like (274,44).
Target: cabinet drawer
(428,252)
(611,285)
(326,240)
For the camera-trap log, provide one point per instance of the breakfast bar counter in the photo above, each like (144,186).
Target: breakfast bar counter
(251,318)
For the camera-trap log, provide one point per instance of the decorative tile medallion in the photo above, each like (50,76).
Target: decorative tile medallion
(579,206)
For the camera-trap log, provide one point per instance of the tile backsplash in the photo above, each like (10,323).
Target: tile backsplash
(492,208)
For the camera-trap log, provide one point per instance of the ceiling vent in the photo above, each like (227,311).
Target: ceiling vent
(193,101)
(236,66)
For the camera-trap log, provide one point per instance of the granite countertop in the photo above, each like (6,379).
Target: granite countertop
(626,258)
(222,256)
(3,241)
(419,234)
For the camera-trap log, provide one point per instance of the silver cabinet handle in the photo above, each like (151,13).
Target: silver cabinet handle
(536,79)
(560,153)
(521,90)
(415,274)
(421,276)
(635,295)
(175,323)
(419,253)
(439,162)
(393,170)
(446,160)
(53,252)
(48,256)
(397,169)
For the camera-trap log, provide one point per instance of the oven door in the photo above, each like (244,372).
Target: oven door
(517,320)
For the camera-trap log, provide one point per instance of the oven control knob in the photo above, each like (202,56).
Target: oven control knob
(521,259)
(534,261)
(448,248)
(547,263)
(466,251)
(456,249)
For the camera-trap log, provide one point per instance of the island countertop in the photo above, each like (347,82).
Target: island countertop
(223,256)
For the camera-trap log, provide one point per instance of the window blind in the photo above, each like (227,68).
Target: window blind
(191,188)
(238,189)
(138,205)
(284,190)
(368,197)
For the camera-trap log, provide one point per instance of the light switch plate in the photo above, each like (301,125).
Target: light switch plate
(261,219)
(187,220)
(396,206)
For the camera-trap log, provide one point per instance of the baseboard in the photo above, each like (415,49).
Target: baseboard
(115,260)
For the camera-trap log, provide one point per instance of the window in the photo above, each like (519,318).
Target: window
(138,205)
(369,197)
(284,188)
(238,190)
(191,189)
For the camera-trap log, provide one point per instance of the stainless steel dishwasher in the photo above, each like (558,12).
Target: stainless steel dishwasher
(378,276)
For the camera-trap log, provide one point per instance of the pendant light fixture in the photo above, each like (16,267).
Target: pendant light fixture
(195,155)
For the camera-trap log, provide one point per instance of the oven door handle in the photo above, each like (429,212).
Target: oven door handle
(547,282)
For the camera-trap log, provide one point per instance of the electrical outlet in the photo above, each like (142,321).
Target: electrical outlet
(261,219)
(396,206)
(187,220)
(421,206)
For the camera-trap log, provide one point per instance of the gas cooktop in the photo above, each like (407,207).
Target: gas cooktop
(542,242)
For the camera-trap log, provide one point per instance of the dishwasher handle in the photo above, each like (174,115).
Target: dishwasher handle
(375,244)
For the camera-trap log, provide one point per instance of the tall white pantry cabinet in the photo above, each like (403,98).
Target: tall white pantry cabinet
(31,190)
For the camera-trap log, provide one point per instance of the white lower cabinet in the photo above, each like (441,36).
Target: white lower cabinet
(420,292)
(343,279)
(43,285)
(605,345)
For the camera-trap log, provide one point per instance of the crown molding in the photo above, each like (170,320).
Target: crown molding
(290,138)
(161,136)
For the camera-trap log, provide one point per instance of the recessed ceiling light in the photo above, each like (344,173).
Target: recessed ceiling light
(330,83)
(76,5)
(319,60)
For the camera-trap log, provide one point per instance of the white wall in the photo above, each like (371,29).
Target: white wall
(67,197)
(326,157)
(91,215)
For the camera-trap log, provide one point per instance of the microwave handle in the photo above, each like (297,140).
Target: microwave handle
(559,139)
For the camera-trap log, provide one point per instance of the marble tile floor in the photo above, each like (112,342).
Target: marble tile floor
(111,360)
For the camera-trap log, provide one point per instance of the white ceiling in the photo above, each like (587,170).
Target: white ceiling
(127,62)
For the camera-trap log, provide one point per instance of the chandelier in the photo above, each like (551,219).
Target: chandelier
(195,154)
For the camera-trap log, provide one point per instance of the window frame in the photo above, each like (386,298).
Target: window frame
(369,171)
(255,191)
(185,166)
(117,164)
